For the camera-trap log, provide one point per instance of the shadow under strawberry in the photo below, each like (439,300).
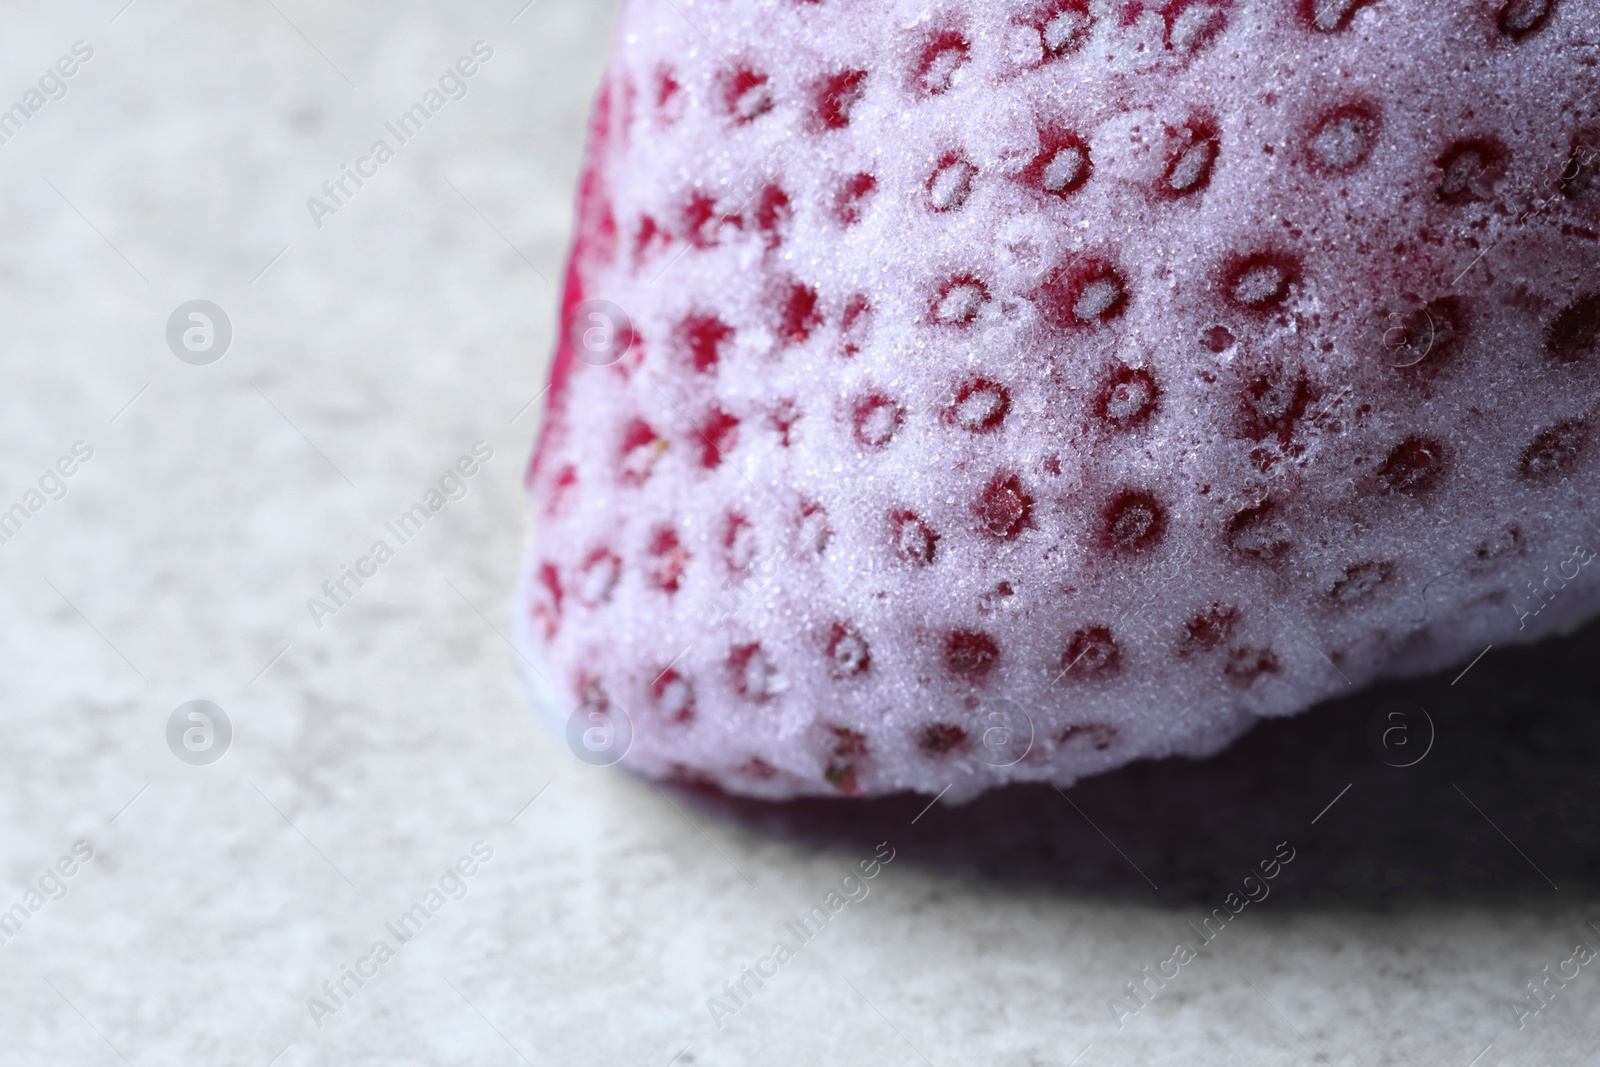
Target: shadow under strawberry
(1504,803)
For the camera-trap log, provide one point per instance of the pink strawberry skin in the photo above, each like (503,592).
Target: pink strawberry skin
(1022,389)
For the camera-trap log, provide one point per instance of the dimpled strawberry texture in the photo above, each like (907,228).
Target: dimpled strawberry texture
(1019,389)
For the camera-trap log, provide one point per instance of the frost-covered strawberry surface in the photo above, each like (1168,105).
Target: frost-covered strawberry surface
(1017,389)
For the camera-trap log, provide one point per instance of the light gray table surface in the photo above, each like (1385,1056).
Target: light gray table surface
(372,752)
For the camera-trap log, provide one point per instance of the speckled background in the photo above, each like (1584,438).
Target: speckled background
(372,752)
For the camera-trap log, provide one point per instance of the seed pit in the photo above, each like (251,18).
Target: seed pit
(1004,509)
(1518,18)
(1260,532)
(739,543)
(783,417)
(950,184)
(1062,165)
(1066,28)
(597,577)
(1581,175)
(970,653)
(1189,167)
(1128,398)
(1431,332)
(668,102)
(1194,26)
(1572,335)
(813,531)
(773,215)
(1135,521)
(1083,294)
(847,651)
(665,560)
(1412,467)
(718,434)
(941,738)
(1096,734)
(546,606)
(1092,652)
(746,94)
(854,323)
(938,69)
(1260,285)
(1191,170)
(1555,451)
(641,448)
(1468,170)
(798,313)
(673,696)
(850,202)
(1097,299)
(1330,16)
(980,406)
(876,419)
(1344,137)
(959,301)
(912,538)
(1275,400)
(705,338)
(1245,665)
(1207,629)
(755,676)
(703,223)
(837,96)
(1260,282)
(1360,581)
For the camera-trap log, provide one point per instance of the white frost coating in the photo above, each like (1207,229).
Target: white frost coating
(1144,456)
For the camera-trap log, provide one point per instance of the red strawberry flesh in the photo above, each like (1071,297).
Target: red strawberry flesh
(1130,370)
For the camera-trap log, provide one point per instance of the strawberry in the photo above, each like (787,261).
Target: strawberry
(957,394)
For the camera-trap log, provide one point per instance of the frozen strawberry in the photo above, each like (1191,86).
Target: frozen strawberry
(1008,390)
